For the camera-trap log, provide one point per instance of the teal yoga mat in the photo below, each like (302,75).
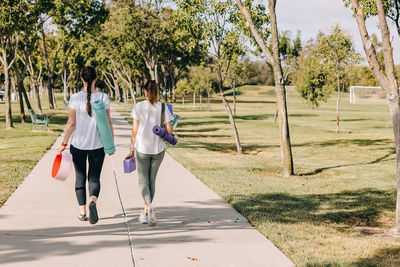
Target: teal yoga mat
(103,126)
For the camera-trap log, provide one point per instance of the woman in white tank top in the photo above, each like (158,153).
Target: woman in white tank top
(85,142)
(148,148)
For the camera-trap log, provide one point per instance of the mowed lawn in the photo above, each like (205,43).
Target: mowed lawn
(21,149)
(337,209)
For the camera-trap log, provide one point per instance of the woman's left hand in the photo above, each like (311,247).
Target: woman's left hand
(60,150)
(130,155)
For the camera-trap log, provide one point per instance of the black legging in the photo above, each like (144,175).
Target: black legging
(96,159)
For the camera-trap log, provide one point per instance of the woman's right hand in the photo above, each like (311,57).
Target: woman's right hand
(131,155)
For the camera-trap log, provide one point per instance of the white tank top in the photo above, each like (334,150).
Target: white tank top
(86,135)
(149,116)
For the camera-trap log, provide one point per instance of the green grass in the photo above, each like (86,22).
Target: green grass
(338,208)
(21,149)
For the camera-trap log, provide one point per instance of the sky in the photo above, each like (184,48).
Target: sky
(312,16)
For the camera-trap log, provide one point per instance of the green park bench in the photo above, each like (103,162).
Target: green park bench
(38,121)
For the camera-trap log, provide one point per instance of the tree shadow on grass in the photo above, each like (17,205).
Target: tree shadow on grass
(198,123)
(204,130)
(351,208)
(245,117)
(378,160)
(215,101)
(359,142)
(225,147)
(384,257)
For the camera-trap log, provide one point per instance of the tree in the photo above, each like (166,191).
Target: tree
(387,79)
(213,17)
(391,7)
(290,50)
(11,12)
(337,53)
(238,75)
(182,49)
(73,20)
(144,26)
(312,81)
(200,82)
(261,27)
(182,88)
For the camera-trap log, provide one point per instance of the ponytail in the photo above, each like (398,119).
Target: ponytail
(153,91)
(89,75)
(89,105)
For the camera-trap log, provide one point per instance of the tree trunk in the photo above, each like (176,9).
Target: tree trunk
(173,87)
(137,85)
(395,114)
(54,100)
(286,147)
(21,87)
(21,104)
(337,105)
(38,97)
(231,119)
(132,94)
(201,100)
(50,94)
(387,79)
(117,92)
(273,57)
(208,101)
(194,100)
(183,101)
(64,79)
(9,122)
(125,97)
(276,114)
(234,99)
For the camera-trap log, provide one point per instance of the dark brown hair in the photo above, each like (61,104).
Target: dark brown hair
(89,74)
(153,91)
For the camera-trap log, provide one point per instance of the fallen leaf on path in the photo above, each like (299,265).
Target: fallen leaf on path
(192,259)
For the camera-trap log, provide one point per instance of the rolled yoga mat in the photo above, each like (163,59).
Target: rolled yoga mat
(157,130)
(103,126)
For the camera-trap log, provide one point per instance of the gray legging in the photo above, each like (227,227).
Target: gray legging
(147,167)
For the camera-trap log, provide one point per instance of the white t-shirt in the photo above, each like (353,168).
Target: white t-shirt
(86,135)
(149,116)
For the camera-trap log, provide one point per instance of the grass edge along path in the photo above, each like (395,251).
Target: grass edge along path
(337,209)
(21,149)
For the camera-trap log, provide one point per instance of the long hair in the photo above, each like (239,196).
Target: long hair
(153,91)
(89,74)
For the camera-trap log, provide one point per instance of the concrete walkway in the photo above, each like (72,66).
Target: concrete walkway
(38,224)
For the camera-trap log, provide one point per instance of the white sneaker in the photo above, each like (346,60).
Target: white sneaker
(142,218)
(151,216)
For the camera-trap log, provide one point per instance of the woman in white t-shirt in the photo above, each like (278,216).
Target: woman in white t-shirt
(148,148)
(85,143)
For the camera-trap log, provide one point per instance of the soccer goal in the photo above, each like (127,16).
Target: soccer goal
(367,95)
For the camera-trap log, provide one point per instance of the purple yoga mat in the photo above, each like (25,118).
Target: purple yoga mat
(157,130)
(129,165)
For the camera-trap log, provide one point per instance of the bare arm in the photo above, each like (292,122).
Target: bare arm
(69,128)
(168,127)
(133,138)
